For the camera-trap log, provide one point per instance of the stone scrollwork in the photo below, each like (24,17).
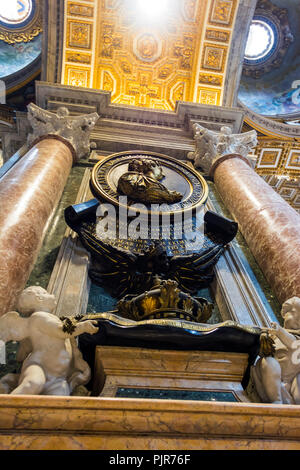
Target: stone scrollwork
(211,145)
(76,130)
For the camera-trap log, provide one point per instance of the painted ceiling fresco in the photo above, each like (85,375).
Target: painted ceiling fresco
(20,40)
(14,57)
(149,54)
(276,89)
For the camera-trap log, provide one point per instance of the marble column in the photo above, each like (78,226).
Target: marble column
(270,226)
(31,190)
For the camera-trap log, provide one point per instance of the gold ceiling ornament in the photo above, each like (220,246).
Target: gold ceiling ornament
(182,57)
(24,33)
(277,161)
(278,157)
(21,36)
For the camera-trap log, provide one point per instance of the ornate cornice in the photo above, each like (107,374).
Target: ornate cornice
(269,127)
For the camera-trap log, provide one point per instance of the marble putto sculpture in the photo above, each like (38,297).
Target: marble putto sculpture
(211,145)
(277,379)
(75,129)
(52,362)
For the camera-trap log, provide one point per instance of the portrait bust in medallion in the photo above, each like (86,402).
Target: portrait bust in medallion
(142,183)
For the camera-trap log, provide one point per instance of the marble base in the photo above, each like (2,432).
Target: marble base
(76,423)
(143,370)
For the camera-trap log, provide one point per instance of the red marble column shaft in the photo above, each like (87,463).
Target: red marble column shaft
(270,225)
(29,193)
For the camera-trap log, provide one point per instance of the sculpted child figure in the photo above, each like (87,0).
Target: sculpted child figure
(277,379)
(53,364)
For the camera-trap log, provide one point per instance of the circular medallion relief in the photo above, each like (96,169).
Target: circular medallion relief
(16,13)
(147,47)
(176,177)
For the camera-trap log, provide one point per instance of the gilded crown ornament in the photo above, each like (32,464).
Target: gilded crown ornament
(165,300)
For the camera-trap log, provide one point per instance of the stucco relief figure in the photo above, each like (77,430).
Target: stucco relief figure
(277,379)
(142,183)
(52,362)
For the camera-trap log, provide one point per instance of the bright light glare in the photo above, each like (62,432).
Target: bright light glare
(152,8)
(15,11)
(260,40)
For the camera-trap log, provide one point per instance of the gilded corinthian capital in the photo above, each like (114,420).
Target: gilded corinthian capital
(211,145)
(76,130)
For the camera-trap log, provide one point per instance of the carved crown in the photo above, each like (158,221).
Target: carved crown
(165,300)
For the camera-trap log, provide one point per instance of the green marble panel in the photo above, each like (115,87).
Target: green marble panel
(43,267)
(11,365)
(197,395)
(99,300)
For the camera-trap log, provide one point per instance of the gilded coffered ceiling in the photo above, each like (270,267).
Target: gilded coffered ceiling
(176,50)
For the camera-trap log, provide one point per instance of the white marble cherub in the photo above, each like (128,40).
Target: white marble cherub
(277,379)
(52,362)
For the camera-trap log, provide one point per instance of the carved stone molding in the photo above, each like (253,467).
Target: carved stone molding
(76,130)
(269,126)
(210,145)
(50,96)
(69,280)
(146,129)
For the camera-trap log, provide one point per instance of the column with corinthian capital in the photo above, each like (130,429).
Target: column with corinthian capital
(31,190)
(270,226)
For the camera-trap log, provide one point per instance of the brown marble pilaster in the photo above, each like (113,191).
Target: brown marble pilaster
(29,193)
(270,225)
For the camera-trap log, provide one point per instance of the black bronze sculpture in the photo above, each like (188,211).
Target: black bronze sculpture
(156,280)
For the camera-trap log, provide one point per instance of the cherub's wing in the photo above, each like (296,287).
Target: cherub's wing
(12,327)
